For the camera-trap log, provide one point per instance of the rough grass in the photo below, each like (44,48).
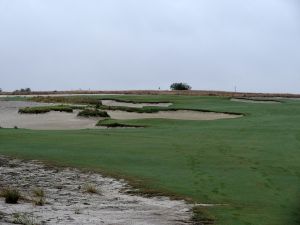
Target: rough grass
(71,100)
(116,123)
(93,113)
(90,188)
(24,219)
(11,195)
(250,164)
(46,109)
(39,197)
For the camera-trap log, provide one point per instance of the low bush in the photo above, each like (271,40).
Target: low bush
(114,123)
(11,195)
(24,219)
(39,196)
(90,188)
(45,109)
(93,113)
(68,99)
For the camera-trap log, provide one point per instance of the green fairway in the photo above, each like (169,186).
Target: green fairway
(250,164)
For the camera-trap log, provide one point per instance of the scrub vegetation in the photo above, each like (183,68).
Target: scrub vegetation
(248,167)
(11,195)
(46,109)
(92,113)
(117,123)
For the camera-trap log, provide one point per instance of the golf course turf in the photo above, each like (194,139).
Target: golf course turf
(249,165)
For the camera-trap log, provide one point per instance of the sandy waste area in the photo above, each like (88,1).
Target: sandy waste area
(133,105)
(9,117)
(177,115)
(67,202)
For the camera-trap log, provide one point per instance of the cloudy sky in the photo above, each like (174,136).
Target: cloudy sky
(146,44)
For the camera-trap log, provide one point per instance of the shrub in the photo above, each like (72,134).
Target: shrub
(24,219)
(113,123)
(11,195)
(93,113)
(39,195)
(22,91)
(180,86)
(90,188)
(46,109)
(67,99)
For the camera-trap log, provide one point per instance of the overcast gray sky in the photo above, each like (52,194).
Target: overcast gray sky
(146,44)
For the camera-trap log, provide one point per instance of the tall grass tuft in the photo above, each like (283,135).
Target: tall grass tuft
(11,195)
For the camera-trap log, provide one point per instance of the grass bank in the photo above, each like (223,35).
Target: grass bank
(249,165)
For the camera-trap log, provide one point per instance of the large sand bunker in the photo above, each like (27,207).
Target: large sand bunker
(134,105)
(67,202)
(177,115)
(9,118)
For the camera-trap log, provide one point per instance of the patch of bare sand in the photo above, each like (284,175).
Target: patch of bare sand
(177,115)
(67,203)
(253,101)
(133,105)
(9,118)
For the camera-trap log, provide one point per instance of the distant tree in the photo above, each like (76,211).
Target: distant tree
(180,86)
(0,90)
(27,90)
(22,91)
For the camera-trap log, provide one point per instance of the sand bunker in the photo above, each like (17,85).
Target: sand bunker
(133,105)
(177,115)
(9,118)
(67,203)
(254,101)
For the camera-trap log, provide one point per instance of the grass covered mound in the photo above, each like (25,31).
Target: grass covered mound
(67,99)
(93,113)
(115,123)
(45,109)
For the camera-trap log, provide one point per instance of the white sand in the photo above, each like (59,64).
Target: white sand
(133,105)
(68,204)
(178,115)
(9,117)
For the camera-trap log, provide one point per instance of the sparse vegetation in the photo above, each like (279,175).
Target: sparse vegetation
(24,219)
(39,196)
(22,91)
(202,217)
(180,87)
(93,113)
(70,100)
(115,123)
(11,195)
(90,188)
(46,109)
